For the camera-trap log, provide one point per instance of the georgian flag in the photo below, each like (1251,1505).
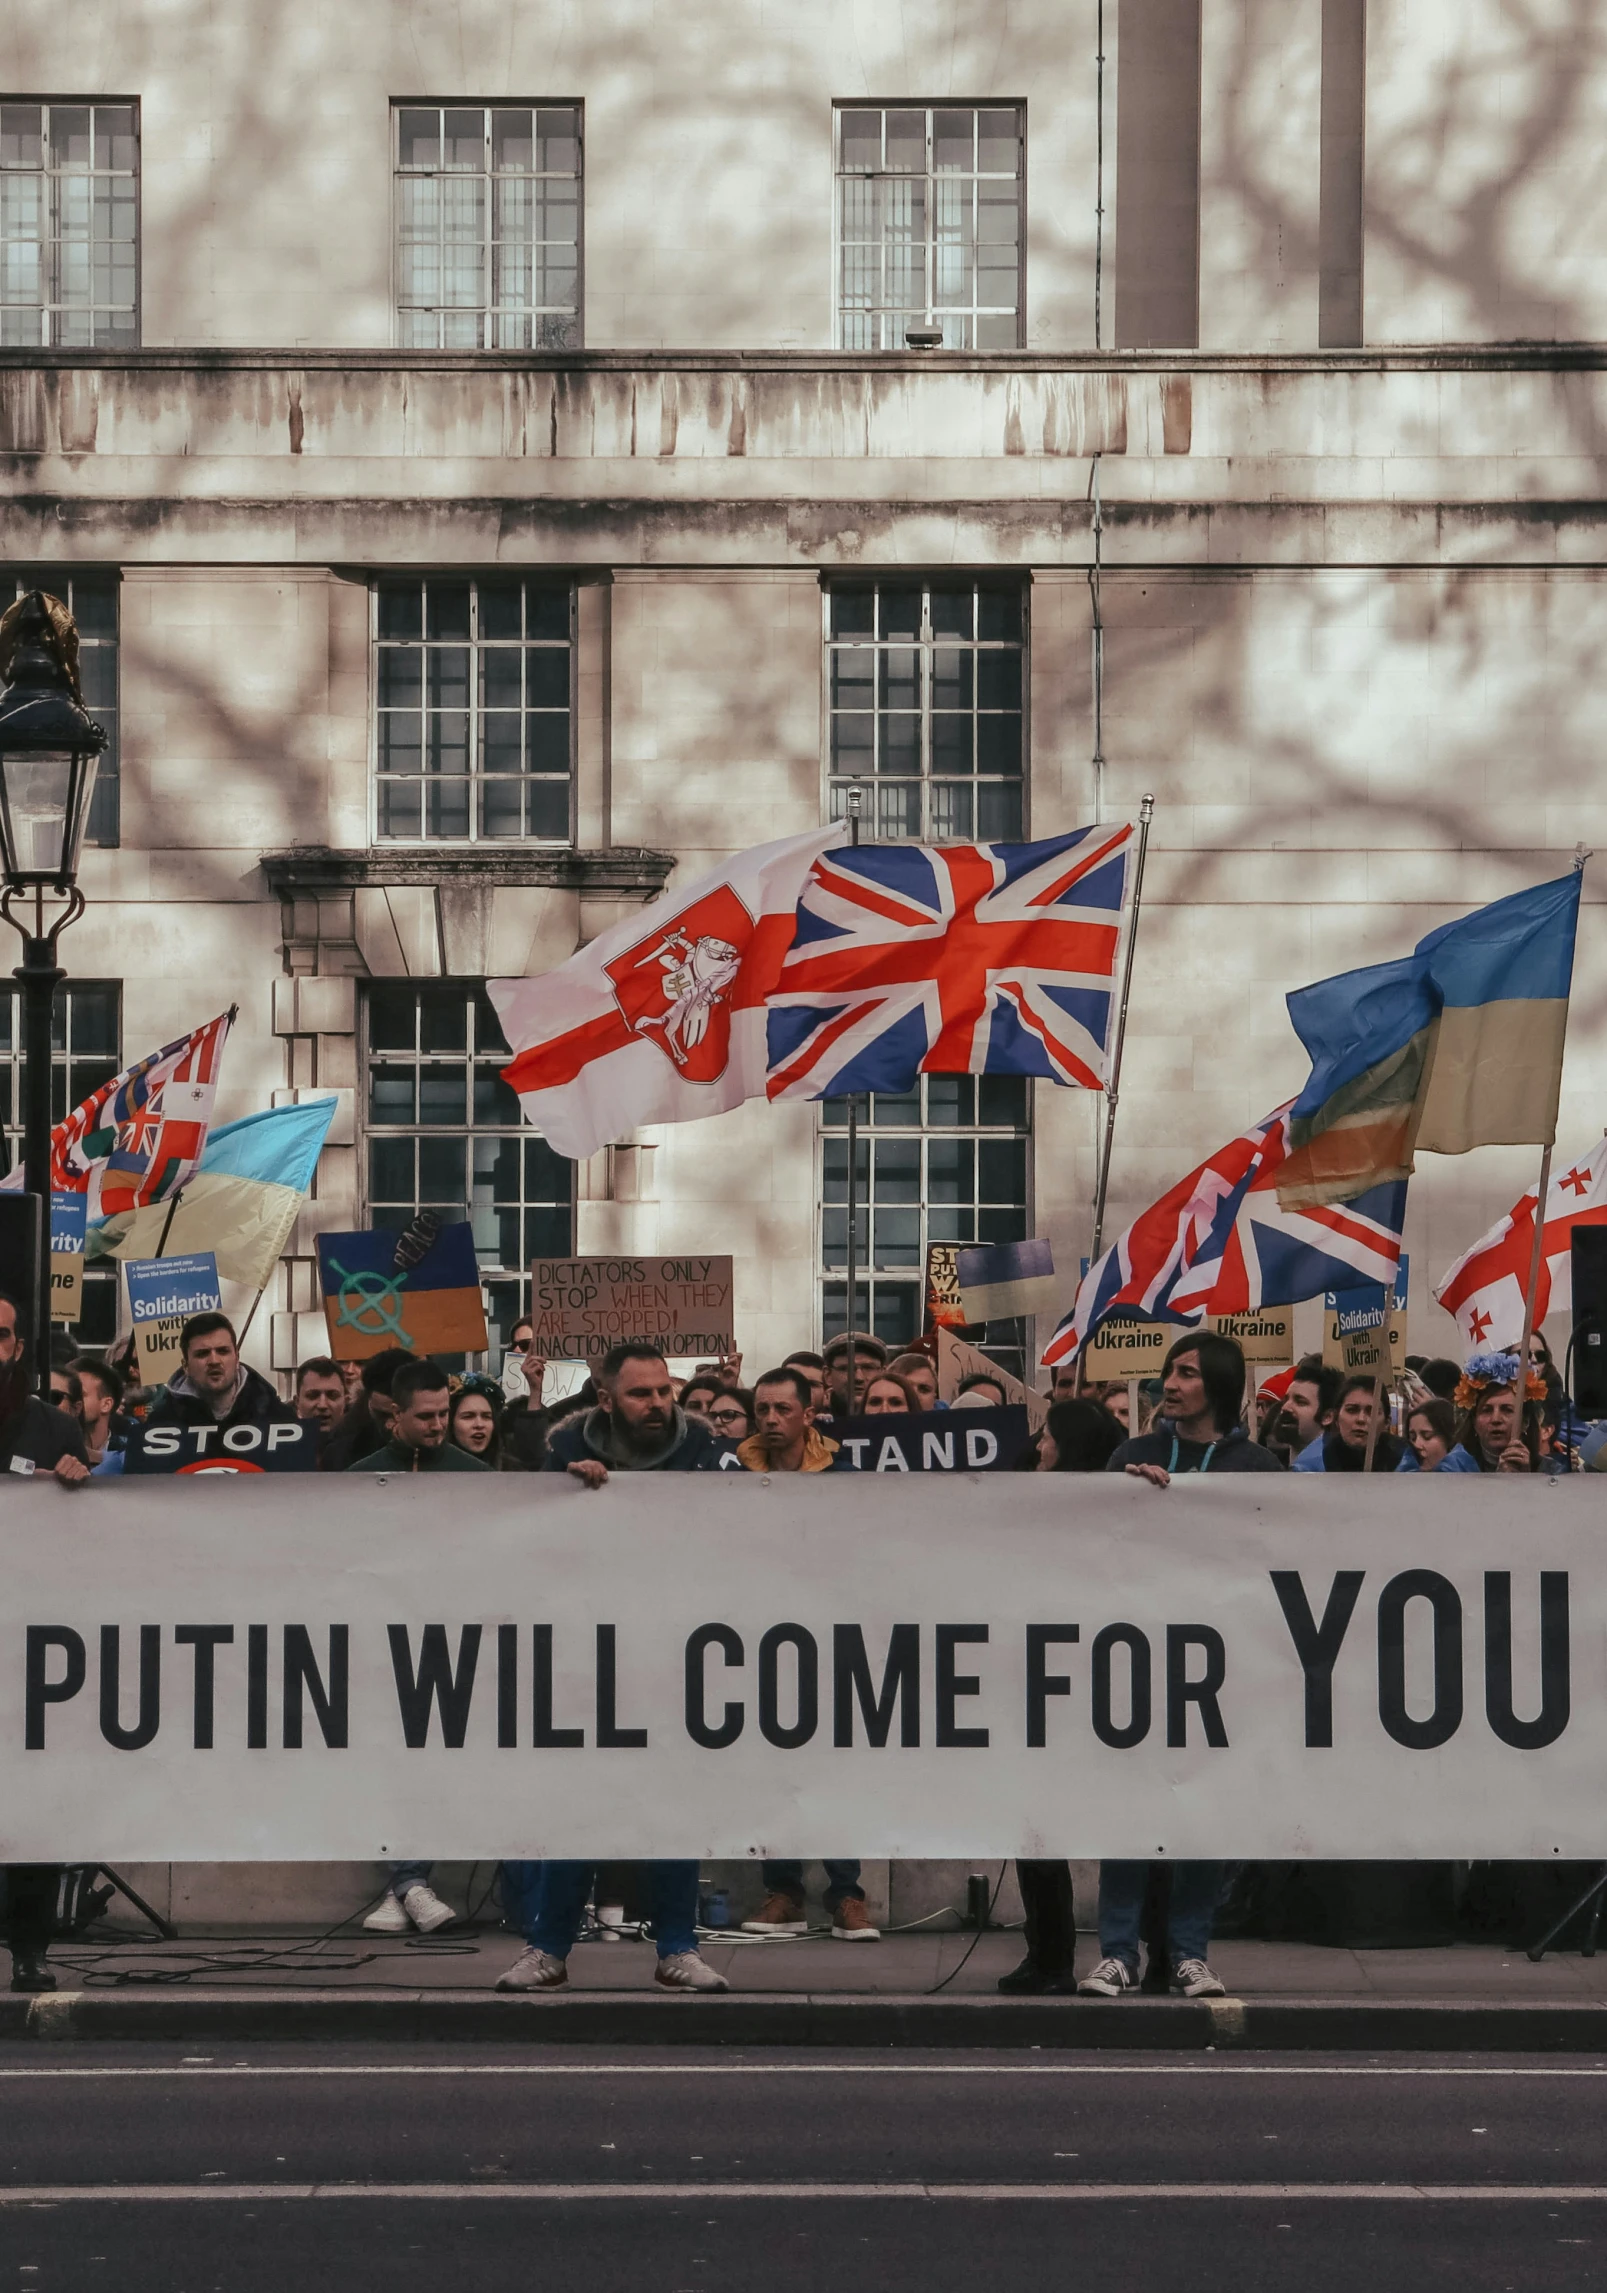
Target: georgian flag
(1484,1289)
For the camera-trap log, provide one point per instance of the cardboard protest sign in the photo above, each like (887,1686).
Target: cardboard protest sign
(582,1306)
(1267,1335)
(234,1449)
(379,1293)
(936,1441)
(162,1295)
(1121,1348)
(1364,1330)
(69,1214)
(943,1308)
(956,1359)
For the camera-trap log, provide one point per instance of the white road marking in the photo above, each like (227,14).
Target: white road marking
(702,2193)
(803,2070)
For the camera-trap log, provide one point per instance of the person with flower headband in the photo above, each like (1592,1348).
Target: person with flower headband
(1494,1433)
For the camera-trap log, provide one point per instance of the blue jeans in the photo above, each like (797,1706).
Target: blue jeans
(1195,1888)
(405,1875)
(560,1904)
(842,1880)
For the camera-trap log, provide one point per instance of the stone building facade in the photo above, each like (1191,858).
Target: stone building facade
(509,459)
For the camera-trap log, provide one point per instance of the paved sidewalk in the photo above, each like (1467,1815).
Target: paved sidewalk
(899,1966)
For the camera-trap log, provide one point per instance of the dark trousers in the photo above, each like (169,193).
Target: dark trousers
(29,1919)
(1051,1924)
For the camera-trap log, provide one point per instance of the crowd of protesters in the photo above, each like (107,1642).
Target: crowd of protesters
(399,1412)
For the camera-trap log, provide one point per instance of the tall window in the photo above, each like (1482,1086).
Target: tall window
(929,207)
(925,703)
(91,599)
(488,227)
(69,203)
(85,1051)
(444,1132)
(475,685)
(947,1163)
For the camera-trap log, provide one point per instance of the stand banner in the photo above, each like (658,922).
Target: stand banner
(205,1669)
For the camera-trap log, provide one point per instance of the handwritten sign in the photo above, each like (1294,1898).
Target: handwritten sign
(582,1306)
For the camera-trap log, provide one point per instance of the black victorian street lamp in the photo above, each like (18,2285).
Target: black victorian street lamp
(49,750)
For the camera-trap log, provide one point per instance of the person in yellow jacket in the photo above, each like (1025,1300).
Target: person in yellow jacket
(788,1439)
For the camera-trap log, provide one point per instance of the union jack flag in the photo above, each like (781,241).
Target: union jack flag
(951,959)
(1219,1243)
(139,1137)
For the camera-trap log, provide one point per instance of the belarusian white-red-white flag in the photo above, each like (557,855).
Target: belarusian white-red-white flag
(1484,1289)
(662,1019)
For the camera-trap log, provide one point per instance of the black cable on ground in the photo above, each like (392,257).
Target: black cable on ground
(975,1939)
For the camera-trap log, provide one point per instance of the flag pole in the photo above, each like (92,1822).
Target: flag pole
(1531,1288)
(853,1170)
(167,1223)
(1146,813)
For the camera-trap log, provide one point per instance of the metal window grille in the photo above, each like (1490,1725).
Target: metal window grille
(86,1038)
(443,1131)
(946,1163)
(925,703)
(474,681)
(929,225)
(488,226)
(91,599)
(69,225)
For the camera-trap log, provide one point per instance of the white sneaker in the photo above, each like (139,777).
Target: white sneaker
(688,1970)
(388,1918)
(426,1909)
(535,1970)
(1112,1978)
(1195,1980)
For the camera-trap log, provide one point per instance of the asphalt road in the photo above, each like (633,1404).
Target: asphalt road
(151,2172)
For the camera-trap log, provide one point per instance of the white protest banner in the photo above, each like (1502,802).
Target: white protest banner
(743,1664)
(582,1306)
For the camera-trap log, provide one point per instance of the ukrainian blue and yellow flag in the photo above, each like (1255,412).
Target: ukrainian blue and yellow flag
(1455,1046)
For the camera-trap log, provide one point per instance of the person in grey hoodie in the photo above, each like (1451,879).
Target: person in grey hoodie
(637,1426)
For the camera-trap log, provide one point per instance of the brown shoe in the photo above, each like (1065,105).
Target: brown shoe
(850,1922)
(781,1915)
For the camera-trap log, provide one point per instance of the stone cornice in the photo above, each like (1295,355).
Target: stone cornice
(1391,358)
(623,873)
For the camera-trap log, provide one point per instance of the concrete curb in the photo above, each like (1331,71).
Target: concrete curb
(482,2018)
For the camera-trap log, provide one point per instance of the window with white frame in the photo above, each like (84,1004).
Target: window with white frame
(929,225)
(443,1131)
(69,225)
(86,1034)
(946,1162)
(474,685)
(91,599)
(925,705)
(488,226)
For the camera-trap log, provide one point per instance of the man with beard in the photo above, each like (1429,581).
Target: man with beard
(34,1438)
(637,1426)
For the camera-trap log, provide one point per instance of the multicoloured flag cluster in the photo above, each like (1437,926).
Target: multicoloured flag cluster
(1221,1243)
(137,1139)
